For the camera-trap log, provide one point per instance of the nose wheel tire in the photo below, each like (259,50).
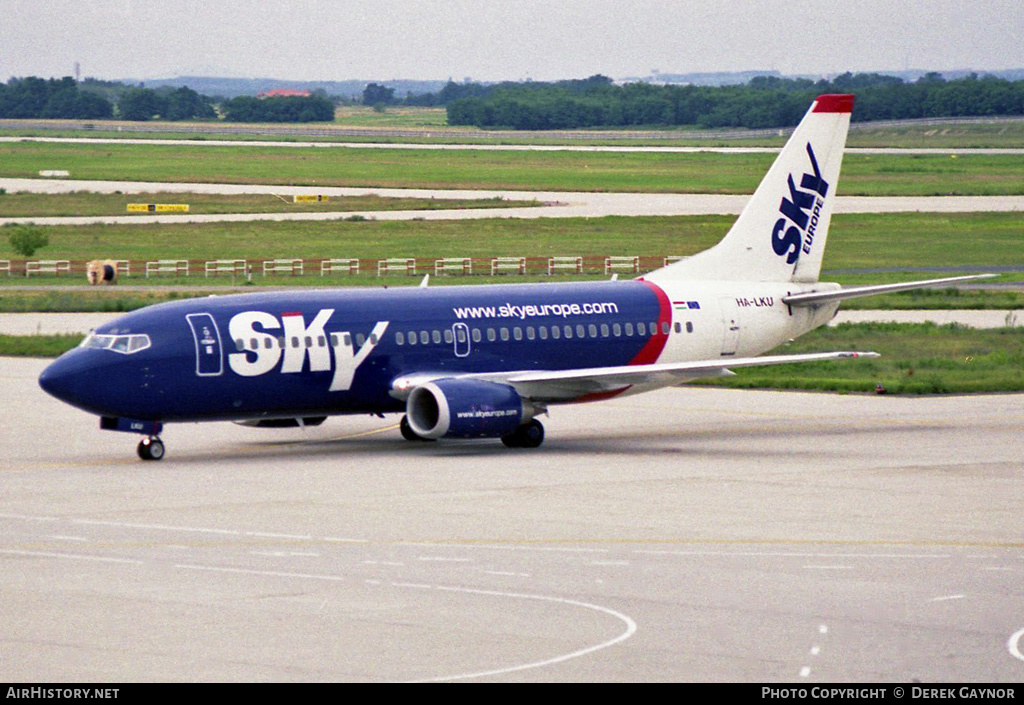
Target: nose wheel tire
(529,435)
(151,448)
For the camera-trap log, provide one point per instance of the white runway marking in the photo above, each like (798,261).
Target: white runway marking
(1013,644)
(630,625)
(629,631)
(58,537)
(815,651)
(784,554)
(284,554)
(27,518)
(69,556)
(948,597)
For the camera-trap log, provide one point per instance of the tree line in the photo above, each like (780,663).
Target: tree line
(765,102)
(34,98)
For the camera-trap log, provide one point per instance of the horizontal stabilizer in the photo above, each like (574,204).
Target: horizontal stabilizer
(813,298)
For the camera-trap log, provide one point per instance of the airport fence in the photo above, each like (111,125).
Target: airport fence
(336,268)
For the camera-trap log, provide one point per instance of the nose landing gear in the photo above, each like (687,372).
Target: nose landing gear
(151,448)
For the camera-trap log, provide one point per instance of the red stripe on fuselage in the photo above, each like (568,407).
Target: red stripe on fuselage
(650,352)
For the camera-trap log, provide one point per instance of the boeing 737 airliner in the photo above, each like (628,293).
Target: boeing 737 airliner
(482,361)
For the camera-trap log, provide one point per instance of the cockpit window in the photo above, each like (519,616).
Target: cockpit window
(124,344)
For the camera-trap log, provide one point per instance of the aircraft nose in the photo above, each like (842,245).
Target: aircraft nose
(58,379)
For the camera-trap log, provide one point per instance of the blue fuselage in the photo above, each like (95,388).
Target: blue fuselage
(339,351)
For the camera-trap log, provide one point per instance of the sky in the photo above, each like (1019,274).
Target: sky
(492,40)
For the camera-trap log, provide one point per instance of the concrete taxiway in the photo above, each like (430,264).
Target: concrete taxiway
(554,204)
(688,534)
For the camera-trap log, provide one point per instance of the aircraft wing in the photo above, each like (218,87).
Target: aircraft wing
(560,385)
(813,298)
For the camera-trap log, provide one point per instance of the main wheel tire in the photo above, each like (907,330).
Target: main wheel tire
(408,434)
(532,434)
(529,435)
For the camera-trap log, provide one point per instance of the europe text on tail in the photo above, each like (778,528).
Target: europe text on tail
(483,361)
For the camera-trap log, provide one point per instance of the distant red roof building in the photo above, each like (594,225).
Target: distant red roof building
(284,93)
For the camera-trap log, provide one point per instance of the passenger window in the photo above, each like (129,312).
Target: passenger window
(436,335)
(616,330)
(321,341)
(641,328)
(604,330)
(689,326)
(543,330)
(412,338)
(309,341)
(348,339)
(360,340)
(400,338)
(254,343)
(517,333)
(556,332)
(450,338)
(592,329)
(491,335)
(580,332)
(629,329)
(530,334)
(477,336)
(280,342)
(568,332)
(504,334)
(268,343)
(664,328)
(679,327)
(373,338)
(424,338)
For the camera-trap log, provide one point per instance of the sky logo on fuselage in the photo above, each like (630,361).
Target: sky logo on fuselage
(794,232)
(263,350)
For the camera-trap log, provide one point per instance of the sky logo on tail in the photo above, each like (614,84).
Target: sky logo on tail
(794,232)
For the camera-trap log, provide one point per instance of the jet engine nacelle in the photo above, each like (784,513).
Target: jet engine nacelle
(464,408)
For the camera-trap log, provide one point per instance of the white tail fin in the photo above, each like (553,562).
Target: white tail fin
(780,235)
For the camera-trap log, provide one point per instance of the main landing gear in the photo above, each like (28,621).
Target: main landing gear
(151,448)
(529,435)
(410,435)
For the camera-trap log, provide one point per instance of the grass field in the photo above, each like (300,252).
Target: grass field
(916,359)
(891,241)
(84,203)
(422,124)
(856,241)
(870,175)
